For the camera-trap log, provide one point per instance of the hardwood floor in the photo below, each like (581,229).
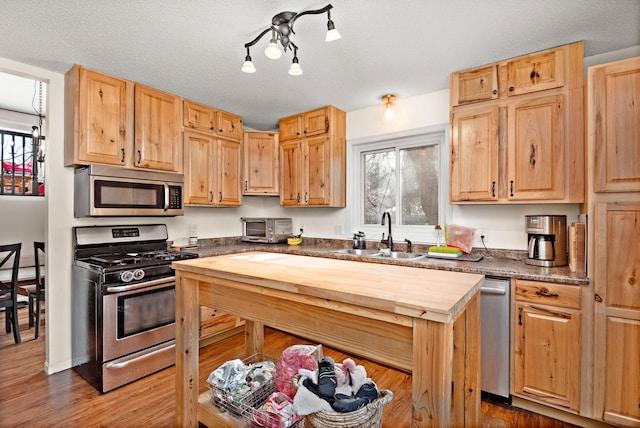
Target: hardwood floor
(30,398)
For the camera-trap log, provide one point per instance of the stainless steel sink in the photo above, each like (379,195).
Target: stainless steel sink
(400,255)
(357,252)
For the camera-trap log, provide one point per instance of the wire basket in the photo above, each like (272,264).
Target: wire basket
(247,406)
(370,416)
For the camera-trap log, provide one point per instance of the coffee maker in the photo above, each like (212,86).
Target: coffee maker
(547,240)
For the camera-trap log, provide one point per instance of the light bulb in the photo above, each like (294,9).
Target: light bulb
(248,67)
(273,51)
(388,110)
(332,35)
(295,69)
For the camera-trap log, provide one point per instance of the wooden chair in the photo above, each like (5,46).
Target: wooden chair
(9,292)
(36,291)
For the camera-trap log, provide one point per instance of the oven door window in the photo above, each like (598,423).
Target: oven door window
(121,194)
(145,311)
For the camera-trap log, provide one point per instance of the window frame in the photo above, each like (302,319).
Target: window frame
(438,134)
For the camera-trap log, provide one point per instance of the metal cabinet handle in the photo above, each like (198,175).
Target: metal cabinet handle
(122,153)
(520,315)
(220,201)
(246,185)
(298,197)
(306,197)
(511,187)
(511,89)
(139,156)
(494,91)
(544,292)
(493,189)
(210,196)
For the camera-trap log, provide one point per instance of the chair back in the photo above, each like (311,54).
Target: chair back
(38,255)
(10,253)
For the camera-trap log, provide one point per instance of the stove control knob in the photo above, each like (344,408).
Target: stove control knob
(138,274)
(126,276)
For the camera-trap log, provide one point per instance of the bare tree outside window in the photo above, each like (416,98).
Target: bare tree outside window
(405,178)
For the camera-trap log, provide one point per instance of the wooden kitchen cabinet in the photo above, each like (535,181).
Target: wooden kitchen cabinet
(306,124)
(213,169)
(617,312)
(615,101)
(157,130)
(478,84)
(474,147)
(547,343)
(208,119)
(532,128)
(261,163)
(117,122)
(313,169)
(97,124)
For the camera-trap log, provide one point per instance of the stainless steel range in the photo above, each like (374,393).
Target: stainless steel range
(123,303)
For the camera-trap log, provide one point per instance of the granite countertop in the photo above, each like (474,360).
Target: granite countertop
(494,262)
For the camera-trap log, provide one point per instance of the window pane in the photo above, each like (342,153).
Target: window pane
(419,189)
(379,184)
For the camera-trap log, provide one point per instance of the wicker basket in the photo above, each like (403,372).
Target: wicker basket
(370,416)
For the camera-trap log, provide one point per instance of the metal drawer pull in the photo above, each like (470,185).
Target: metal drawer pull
(545,293)
(554,313)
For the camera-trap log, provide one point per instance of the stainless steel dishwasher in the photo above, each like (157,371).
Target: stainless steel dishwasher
(495,319)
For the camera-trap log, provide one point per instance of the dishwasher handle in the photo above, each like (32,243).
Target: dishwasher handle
(495,285)
(493,290)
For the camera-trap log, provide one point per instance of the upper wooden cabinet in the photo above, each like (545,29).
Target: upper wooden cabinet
(208,119)
(479,84)
(116,122)
(157,130)
(313,168)
(523,144)
(261,163)
(213,169)
(307,124)
(614,125)
(97,124)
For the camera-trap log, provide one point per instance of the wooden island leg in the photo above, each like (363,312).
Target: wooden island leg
(187,346)
(432,373)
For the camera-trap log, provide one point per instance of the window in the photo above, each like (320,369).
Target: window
(19,168)
(406,176)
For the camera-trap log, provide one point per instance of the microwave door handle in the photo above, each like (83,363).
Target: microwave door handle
(166,196)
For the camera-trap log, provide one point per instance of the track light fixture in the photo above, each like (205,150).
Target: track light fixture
(281,29)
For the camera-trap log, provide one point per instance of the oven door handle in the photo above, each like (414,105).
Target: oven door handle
(139,285)
(123,364)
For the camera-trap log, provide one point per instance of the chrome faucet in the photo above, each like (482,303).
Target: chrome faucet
(389,240)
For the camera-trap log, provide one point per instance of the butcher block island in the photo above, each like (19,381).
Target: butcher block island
(425,322)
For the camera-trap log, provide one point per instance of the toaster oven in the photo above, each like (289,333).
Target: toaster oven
(266,229)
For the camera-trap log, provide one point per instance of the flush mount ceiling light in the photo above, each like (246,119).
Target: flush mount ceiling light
(281,29)
(388,105)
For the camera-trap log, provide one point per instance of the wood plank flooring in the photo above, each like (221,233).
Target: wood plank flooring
(30,398)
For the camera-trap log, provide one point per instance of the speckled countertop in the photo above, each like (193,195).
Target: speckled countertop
(502,263)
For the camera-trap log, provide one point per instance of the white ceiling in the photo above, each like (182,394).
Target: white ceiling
(195,48)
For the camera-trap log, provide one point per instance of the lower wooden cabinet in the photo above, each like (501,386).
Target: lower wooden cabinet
(547,345)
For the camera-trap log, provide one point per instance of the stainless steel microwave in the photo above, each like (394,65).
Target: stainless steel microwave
(107,191)
(266,229)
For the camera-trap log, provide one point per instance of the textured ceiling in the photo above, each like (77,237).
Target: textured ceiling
(194,48)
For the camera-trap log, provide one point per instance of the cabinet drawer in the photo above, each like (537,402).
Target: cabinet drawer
(548,293)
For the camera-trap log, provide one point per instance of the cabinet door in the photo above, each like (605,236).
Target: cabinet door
(290,127)
(316,122)
(614,113)
(317,169)
(536,72)
(617,313)
(102,118)
(261,165)
(157,125)
(199,157)
(547,354)
(479,84)
(229,125)
(229,175)
(535,149)
(199,116)
(290,173)
(474,154)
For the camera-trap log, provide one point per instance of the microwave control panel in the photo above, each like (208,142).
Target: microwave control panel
(175,197)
